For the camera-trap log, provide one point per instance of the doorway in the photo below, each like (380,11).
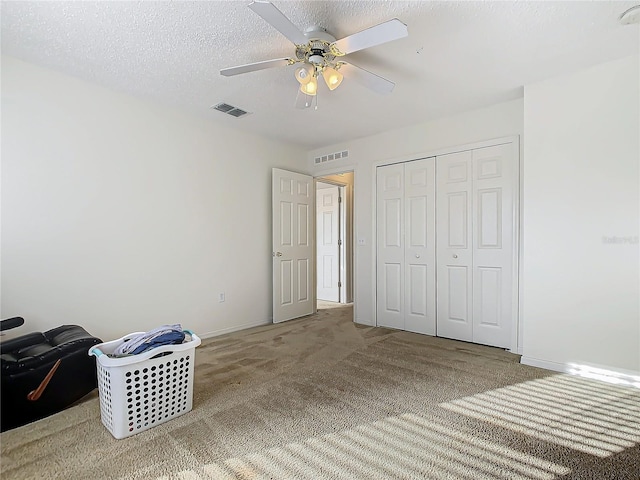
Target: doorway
(334,238)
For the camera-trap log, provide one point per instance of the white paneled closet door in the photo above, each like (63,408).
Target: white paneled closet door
(390,246)
(420,246)
(406,288)
(494,252)
(454,238)
(475,245)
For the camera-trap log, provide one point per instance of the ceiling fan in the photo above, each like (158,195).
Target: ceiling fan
(319,54)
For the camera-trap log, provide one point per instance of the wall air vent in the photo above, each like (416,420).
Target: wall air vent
(229,110)
(330,157)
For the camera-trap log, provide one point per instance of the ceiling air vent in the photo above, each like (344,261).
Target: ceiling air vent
(330,157)
(230,110)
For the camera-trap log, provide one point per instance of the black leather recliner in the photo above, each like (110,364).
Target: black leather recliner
(44,373)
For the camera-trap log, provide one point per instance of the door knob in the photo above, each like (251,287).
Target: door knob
(417,256)
(455,256)
(277,254)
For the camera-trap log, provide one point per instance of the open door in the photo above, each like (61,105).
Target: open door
(328,241)
(293,263)
(345,183)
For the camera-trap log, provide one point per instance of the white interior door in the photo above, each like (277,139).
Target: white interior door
(454,246)
(327,241)
(344,244)
(420,247)
(406,275)
(390,276)
(494,308)
(476,245)
(292,218)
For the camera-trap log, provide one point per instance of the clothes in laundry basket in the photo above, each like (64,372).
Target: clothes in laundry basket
(164,335)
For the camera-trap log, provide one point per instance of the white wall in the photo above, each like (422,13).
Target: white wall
(119,215)
(502,120)
(581,189)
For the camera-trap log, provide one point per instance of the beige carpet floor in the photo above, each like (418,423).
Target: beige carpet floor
(323,398)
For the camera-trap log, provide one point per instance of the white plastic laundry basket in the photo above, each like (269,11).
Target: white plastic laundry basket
(141,391)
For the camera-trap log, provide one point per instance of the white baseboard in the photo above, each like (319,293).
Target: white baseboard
(534,362)
(606,374)
(235,328)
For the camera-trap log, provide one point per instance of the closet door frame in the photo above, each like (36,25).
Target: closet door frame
(514,140)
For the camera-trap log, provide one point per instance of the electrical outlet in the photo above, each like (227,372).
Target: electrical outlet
(361,241)
(221,297)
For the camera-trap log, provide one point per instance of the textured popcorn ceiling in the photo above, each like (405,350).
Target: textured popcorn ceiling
(458,56)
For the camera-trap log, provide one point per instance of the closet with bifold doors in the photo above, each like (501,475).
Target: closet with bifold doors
(446,254)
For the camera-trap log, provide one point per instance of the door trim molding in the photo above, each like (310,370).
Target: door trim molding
(447,150)
(341,240)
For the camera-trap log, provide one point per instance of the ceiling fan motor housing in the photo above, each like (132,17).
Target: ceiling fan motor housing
(319,33)
(317,51)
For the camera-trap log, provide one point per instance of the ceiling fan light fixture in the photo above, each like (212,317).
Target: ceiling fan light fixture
(332,77)
(311,87)
(304,74)
(630,16)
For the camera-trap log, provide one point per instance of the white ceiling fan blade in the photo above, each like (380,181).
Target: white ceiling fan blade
(383,33)
(252,67)
(303,100)
(366,78)
(277,19)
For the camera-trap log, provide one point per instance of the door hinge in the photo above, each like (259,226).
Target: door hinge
(339,284)
(339,199)
(339,242)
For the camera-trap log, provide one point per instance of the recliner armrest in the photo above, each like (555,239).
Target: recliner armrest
(10,323)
